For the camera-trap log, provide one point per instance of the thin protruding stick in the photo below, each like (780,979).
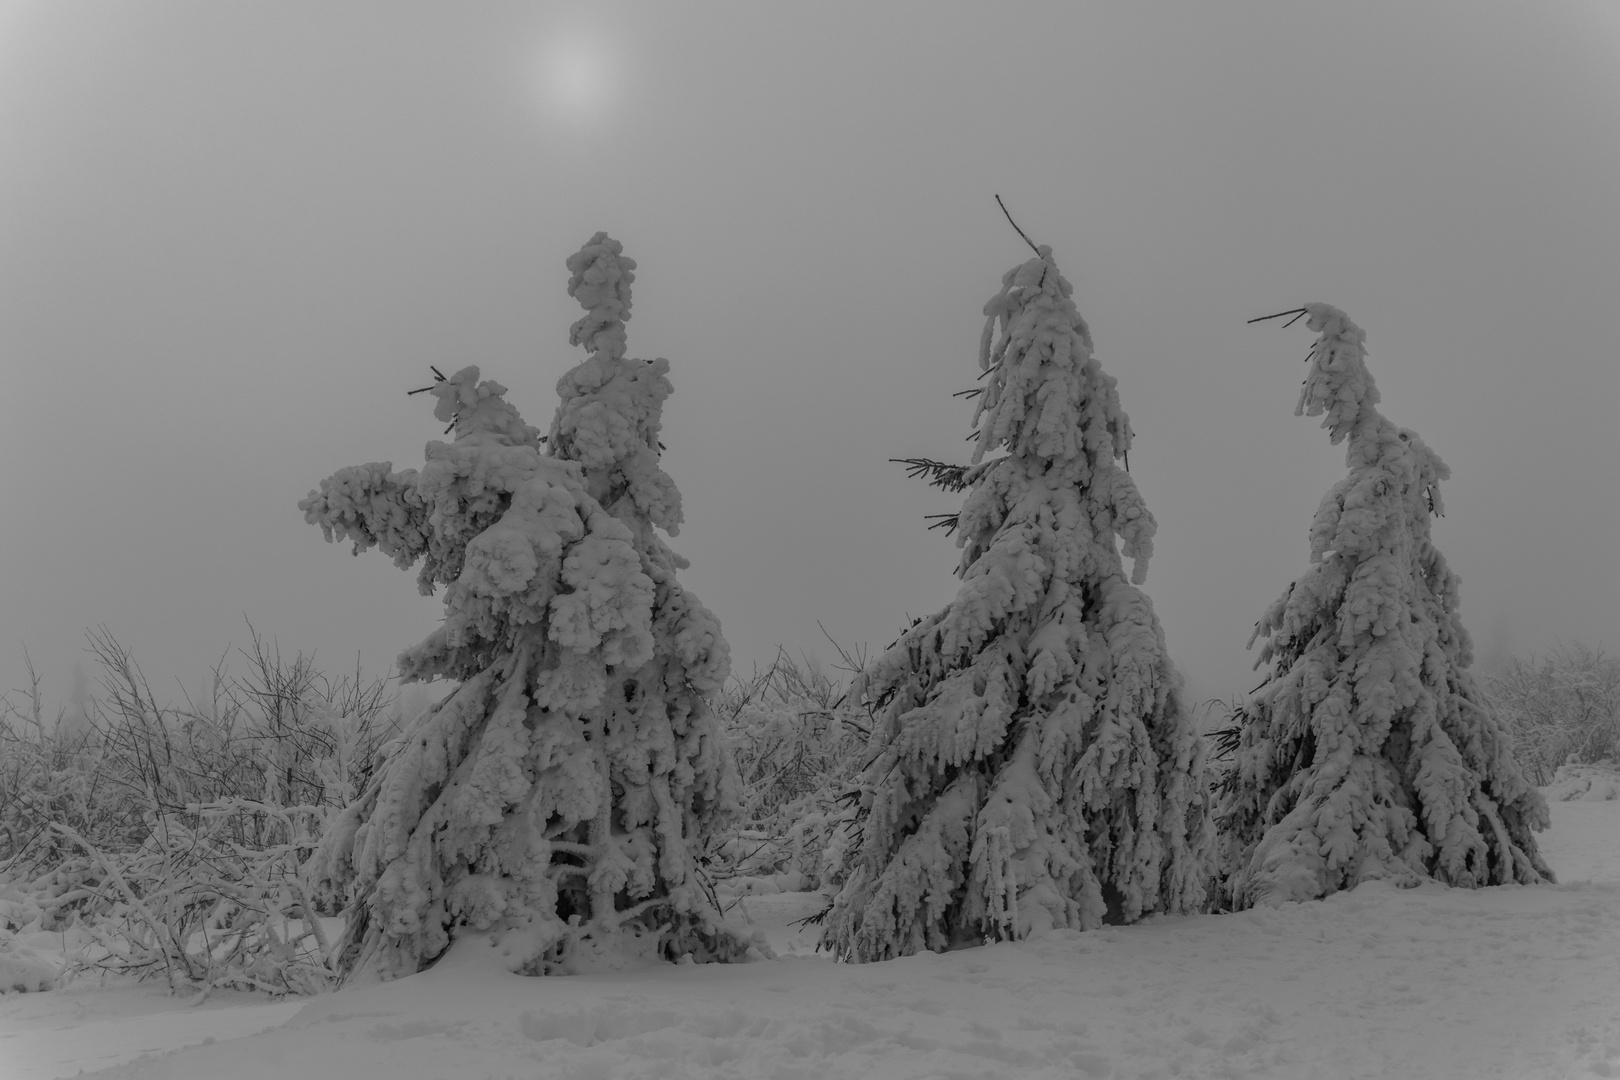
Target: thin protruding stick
(1297,313)
(1014,224)
(438,377)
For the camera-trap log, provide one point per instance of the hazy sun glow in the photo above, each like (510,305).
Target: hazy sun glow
(575,79)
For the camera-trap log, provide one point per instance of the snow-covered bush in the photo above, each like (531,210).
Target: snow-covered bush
(167,837)
(559,795)
(1370,751)
(204,911)
(1032,764)
(283,735)
(798,742)
(48,774)
(1562,707)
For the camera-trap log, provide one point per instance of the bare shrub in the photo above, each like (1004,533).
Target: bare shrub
(47,774)
(174,834)
(798,744)
(204,911)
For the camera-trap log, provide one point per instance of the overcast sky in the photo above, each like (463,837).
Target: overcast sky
(233,235)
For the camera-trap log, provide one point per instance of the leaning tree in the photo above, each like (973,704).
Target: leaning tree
(1032,765)
(1370,751)
(556,797)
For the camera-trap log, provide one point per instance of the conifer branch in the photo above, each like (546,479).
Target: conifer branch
(1016,229)
(940,474)
(816,919)
(1228,738)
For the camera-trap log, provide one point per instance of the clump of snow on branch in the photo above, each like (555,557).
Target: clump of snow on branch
(1032,764)
(556,796)
(1371,751)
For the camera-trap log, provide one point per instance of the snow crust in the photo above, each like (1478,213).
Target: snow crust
(1509,982)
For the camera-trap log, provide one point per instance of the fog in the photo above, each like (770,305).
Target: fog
(233,236)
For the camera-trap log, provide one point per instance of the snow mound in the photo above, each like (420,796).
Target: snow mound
(1597,782)
(24,969)
(20,910)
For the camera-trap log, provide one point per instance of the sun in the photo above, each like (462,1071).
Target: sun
(574,79)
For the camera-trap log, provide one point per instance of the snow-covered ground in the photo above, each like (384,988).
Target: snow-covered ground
(1430,982)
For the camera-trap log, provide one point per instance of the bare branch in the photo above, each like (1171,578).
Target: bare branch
(1295,312)
(1014,224)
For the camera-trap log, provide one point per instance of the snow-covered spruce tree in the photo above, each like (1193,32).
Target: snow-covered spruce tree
(1370,751)
(555,798)
(1032,765)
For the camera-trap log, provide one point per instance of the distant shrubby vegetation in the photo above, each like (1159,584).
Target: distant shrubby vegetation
(1563,709)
